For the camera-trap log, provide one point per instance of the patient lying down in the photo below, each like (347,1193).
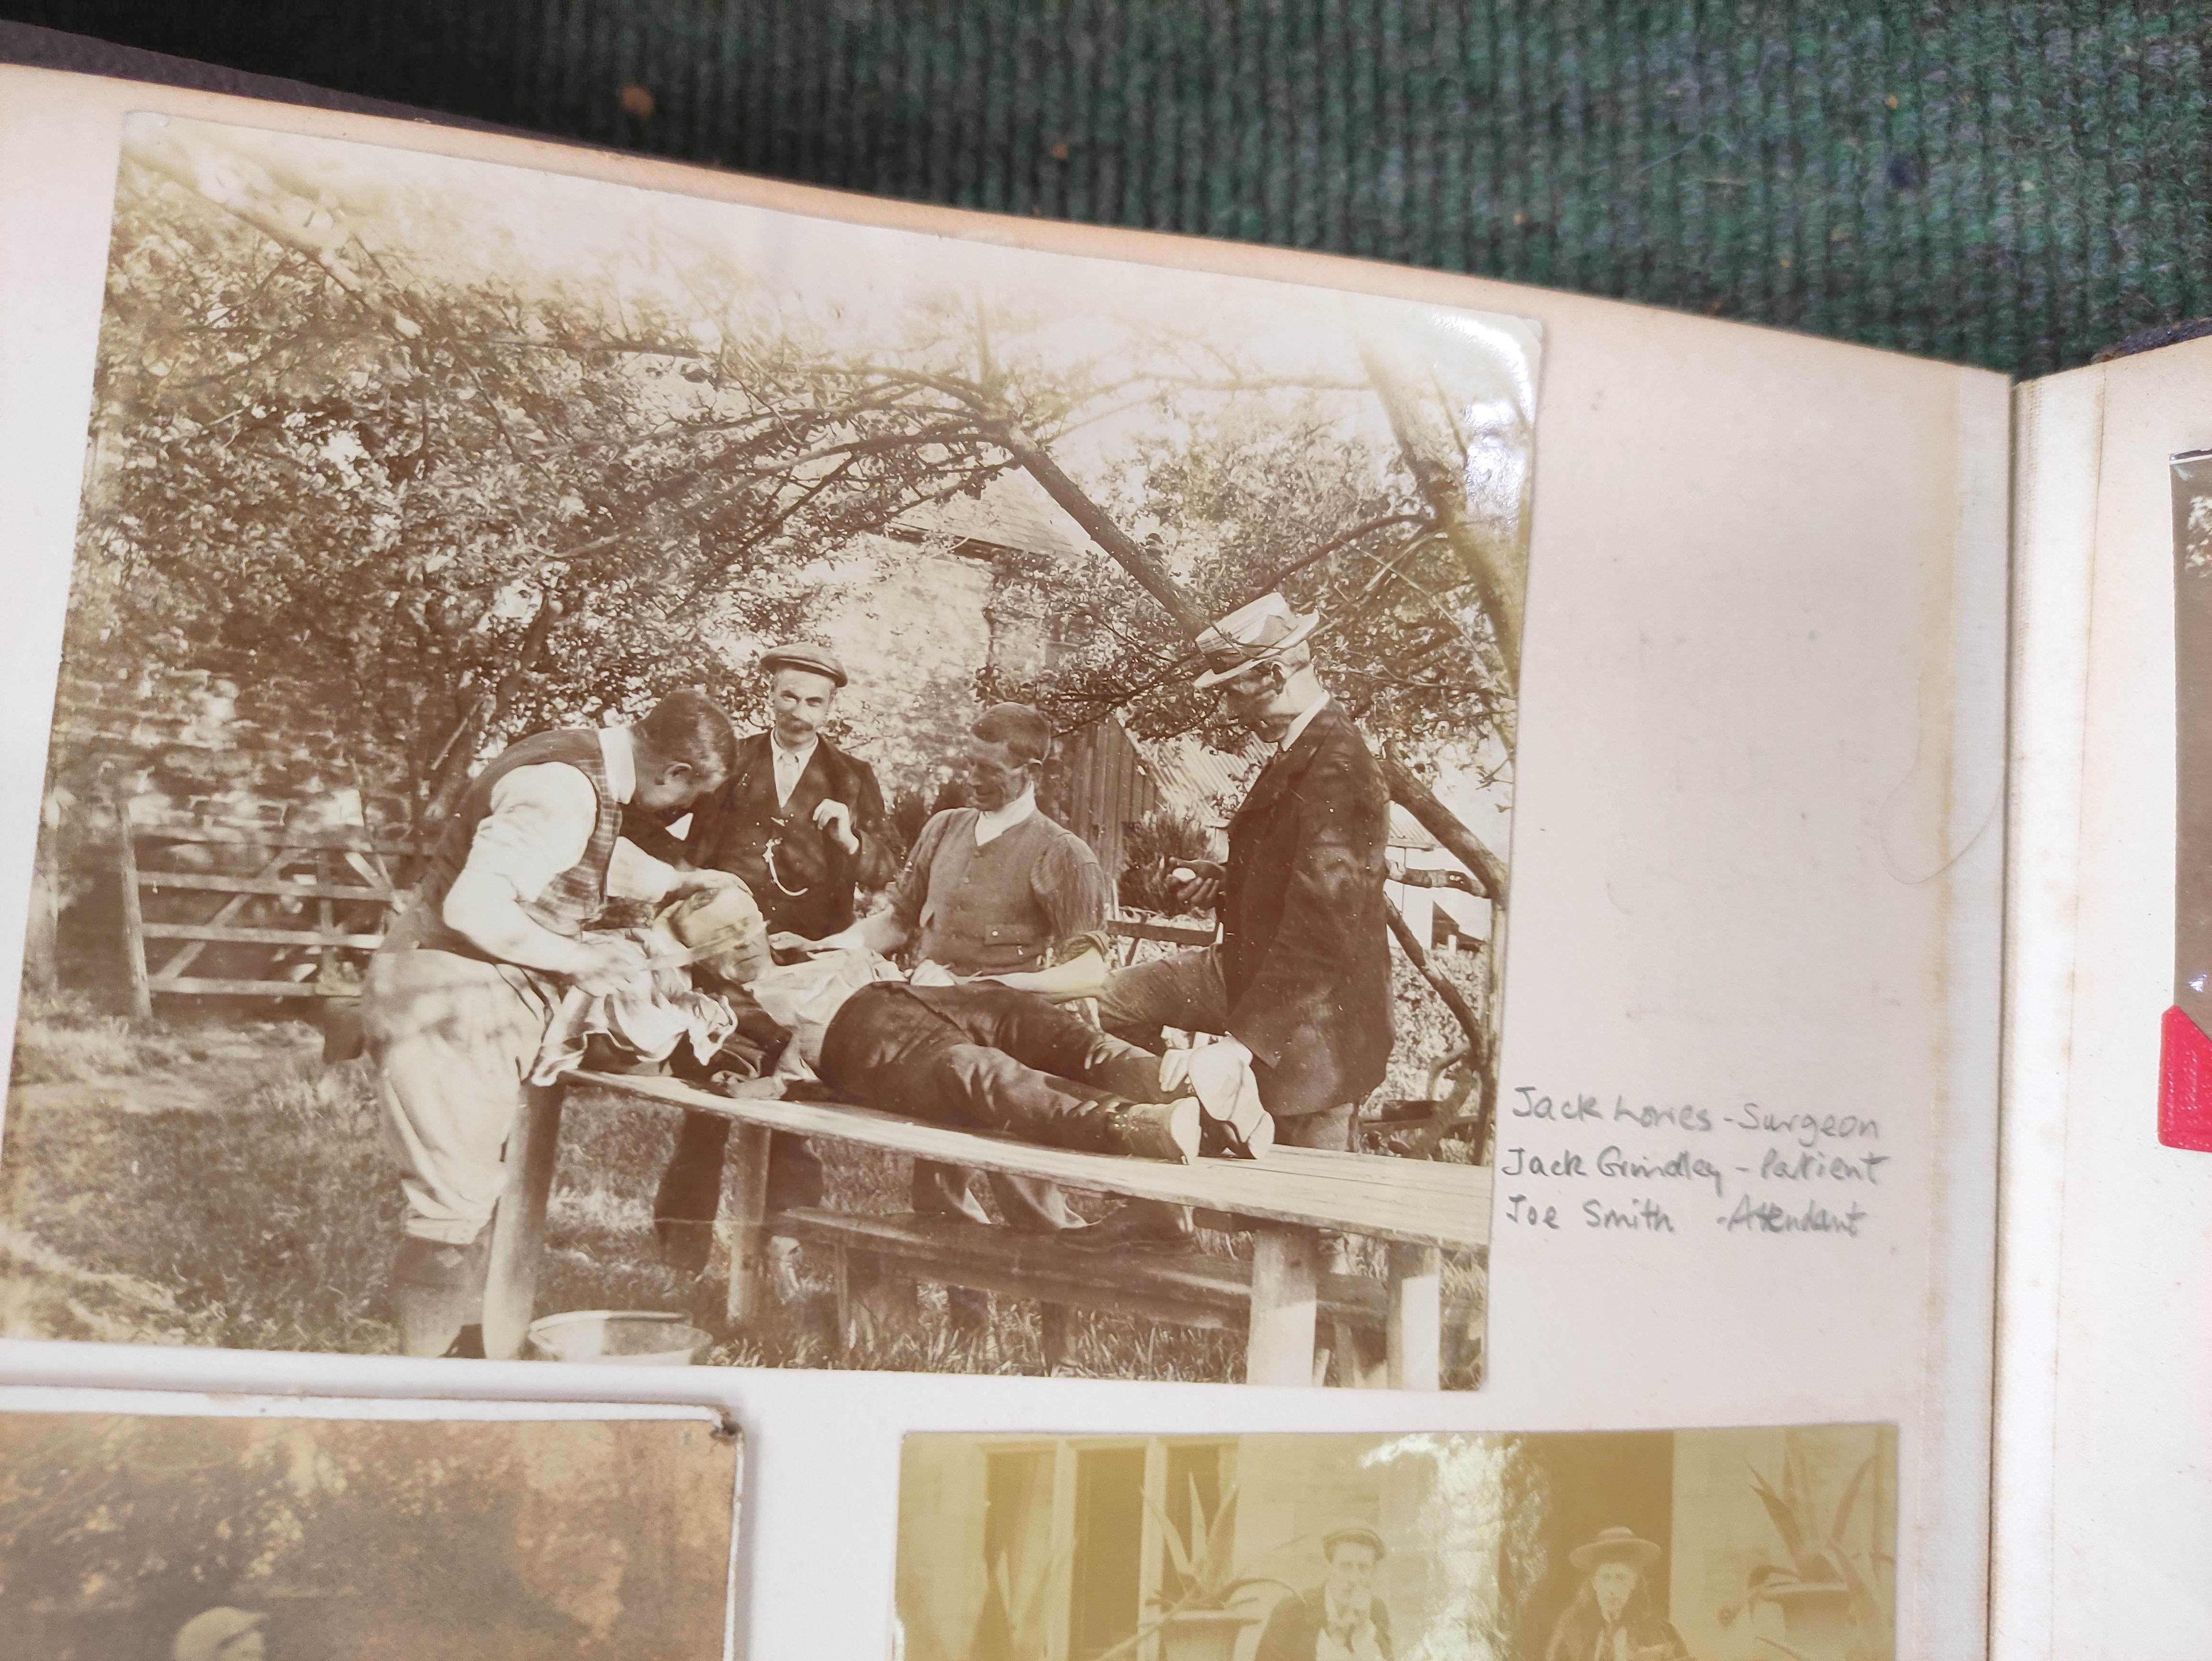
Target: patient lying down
(973,1054)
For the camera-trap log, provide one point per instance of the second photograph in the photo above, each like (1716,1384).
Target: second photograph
(1719,1545)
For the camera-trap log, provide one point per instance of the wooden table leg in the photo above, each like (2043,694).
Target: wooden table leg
(1280,1347)
(739,1239)
(1415,1325)
(518,1227)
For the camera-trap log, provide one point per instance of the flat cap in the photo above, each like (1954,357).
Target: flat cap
(810,655)
(1343,1532)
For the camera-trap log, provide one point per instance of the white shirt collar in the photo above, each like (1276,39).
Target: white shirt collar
(787,756)
(618,751)
(992,823)
(1305,720)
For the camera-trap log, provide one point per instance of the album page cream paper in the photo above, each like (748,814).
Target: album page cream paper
(1746,1148)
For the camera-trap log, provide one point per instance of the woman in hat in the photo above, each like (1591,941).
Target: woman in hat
(1611,1618)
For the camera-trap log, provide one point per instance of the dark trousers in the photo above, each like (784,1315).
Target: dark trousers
(983,1056)
(690,1192)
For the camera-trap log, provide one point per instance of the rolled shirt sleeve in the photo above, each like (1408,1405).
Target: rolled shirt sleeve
(539,824)
(635,874)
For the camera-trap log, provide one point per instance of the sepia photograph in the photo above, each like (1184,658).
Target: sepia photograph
(1715,1545)
(638,777)
(274,1532)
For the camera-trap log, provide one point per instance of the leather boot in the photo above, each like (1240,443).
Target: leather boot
(1142,1225)
(1152,1131)
(437,1290)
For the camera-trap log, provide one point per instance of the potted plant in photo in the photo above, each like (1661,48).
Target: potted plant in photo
(1831,1609)
(1199,1619)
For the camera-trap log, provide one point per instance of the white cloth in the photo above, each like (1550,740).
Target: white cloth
(990,823)
(804,997)
(541,819)
(650,1018)
(1304,720)
(789,765)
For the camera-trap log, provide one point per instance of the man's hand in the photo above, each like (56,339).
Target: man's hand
(688,883)
(1195,885)
(837,818)
(605,964)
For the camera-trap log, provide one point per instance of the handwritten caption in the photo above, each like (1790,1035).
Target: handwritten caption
(1584,1162)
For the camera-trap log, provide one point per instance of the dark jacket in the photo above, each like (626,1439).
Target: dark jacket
(1294,1624)
(734,828)
(1305,950)
(1575,1635)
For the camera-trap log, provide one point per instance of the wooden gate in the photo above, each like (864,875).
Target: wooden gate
(309,904)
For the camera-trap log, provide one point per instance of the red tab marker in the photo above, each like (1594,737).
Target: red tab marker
(2185,1084)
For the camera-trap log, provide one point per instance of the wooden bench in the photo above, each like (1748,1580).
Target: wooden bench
(1421,1209)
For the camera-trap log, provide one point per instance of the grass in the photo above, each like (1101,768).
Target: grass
(264,1215)
(65,1037)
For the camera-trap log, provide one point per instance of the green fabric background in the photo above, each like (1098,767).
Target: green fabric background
(2016,186)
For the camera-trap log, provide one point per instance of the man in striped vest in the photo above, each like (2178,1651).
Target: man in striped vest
(459,995)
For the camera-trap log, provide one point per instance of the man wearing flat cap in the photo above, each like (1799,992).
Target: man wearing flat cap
(802,823)
(1611,1618)
(1340,1620)
(1300,981)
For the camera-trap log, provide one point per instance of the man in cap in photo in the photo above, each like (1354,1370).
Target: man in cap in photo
(220,1634)
(802,824)
(1611,1618)
(1341,1619)
(459,996)
(1300,982)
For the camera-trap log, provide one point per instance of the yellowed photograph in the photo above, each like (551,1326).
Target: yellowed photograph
(637,773)
(1715,1545)
(271,1532)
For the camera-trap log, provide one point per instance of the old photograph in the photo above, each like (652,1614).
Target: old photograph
(276,1533)
(892,801)
(1721,1545)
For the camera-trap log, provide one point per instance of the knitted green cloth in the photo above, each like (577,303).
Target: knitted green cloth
(2011,185)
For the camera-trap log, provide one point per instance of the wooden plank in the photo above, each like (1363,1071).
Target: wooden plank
(1422,1200)
(518,1227)
(182,827)
(134,922)
(189,954)
(206,931)
(1413,1332)
(739,1239)
(1197,1288)
(199,987)
(1174,933)
(282,887)
(1285,1304)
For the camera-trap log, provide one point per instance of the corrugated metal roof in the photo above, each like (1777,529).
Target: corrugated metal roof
(1011,512)
(1198,781)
